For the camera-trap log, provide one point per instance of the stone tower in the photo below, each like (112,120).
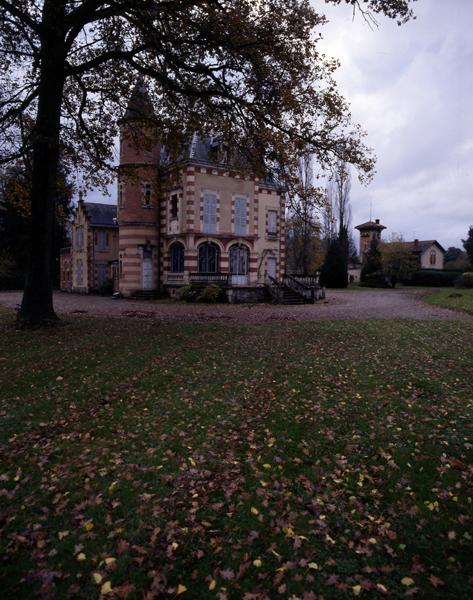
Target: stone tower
(138,201)
(371,230)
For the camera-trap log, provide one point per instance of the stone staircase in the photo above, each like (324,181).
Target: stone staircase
(288,296)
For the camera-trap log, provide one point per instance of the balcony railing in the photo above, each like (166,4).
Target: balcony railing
(208,278)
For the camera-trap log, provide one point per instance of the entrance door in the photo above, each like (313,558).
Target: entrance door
(271,266)
(147,268)
(239,265)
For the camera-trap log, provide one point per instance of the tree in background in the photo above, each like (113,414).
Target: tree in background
(372,269)
(250,70)
(468,245)
(303,247)
(456,259)
(337,223)
(15,194)
(397,261)
(334,273)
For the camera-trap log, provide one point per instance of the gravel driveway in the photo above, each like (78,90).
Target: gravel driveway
(339,305)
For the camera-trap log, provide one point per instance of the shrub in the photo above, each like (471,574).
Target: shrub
(376,279)
(10,278)
(106,289)
(465,280)
(212,293)
(432,277)
(188,293)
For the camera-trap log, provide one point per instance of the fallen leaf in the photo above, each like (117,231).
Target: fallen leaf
(106,588)
(356,589)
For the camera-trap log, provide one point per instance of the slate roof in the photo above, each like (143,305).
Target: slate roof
(204,150)
(140,104)
(101,215)
(420,246)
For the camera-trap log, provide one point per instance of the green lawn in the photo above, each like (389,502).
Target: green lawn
(290,460)
(456,299)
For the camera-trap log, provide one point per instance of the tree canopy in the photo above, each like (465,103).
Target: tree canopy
(468,245)
(250,70)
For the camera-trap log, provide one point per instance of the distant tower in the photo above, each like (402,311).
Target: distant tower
(138,202)
(371,230)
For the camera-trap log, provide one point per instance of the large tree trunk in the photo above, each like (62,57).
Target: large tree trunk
(37,305)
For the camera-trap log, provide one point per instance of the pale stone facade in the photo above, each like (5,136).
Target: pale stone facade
(94,250)
(192,219)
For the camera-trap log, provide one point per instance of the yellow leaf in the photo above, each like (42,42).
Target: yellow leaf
(254,510)
(212,585)
(97,578)
(81,556)
(89,525)
(110,560)
(266,466)
(381,587)
(313,565)
(372,541)
(356,589)
(106,588)
(329,539)
(181,589)
(62,534)
(289,532)
(112,486)
(257,562)
(407,581)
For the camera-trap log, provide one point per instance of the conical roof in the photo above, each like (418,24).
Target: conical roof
(139,105)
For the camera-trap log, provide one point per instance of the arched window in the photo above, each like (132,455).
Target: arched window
(209,258)
(239,259)
(177,258)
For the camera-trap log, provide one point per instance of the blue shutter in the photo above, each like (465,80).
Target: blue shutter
(240,216)
(210,213)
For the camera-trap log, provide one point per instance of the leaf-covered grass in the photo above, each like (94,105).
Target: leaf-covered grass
(290,460)
(456,299)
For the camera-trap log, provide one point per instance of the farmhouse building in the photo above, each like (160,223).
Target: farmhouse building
(428,253)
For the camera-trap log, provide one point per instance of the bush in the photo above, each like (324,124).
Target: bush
(376,279)
(212,293)
(465,280)
(10,278)
(106,289)
(432,277)
(188,293)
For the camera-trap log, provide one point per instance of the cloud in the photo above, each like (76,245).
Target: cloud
(411,88)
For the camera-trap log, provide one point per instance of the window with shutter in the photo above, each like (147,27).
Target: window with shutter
(210,213)
(272,222)
(240,215)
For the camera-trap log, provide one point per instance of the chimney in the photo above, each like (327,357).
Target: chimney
(377,221)
(416,243)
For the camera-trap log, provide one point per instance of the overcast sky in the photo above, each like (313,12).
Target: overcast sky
(411,89)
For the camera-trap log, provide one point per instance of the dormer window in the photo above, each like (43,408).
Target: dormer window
(433,257)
